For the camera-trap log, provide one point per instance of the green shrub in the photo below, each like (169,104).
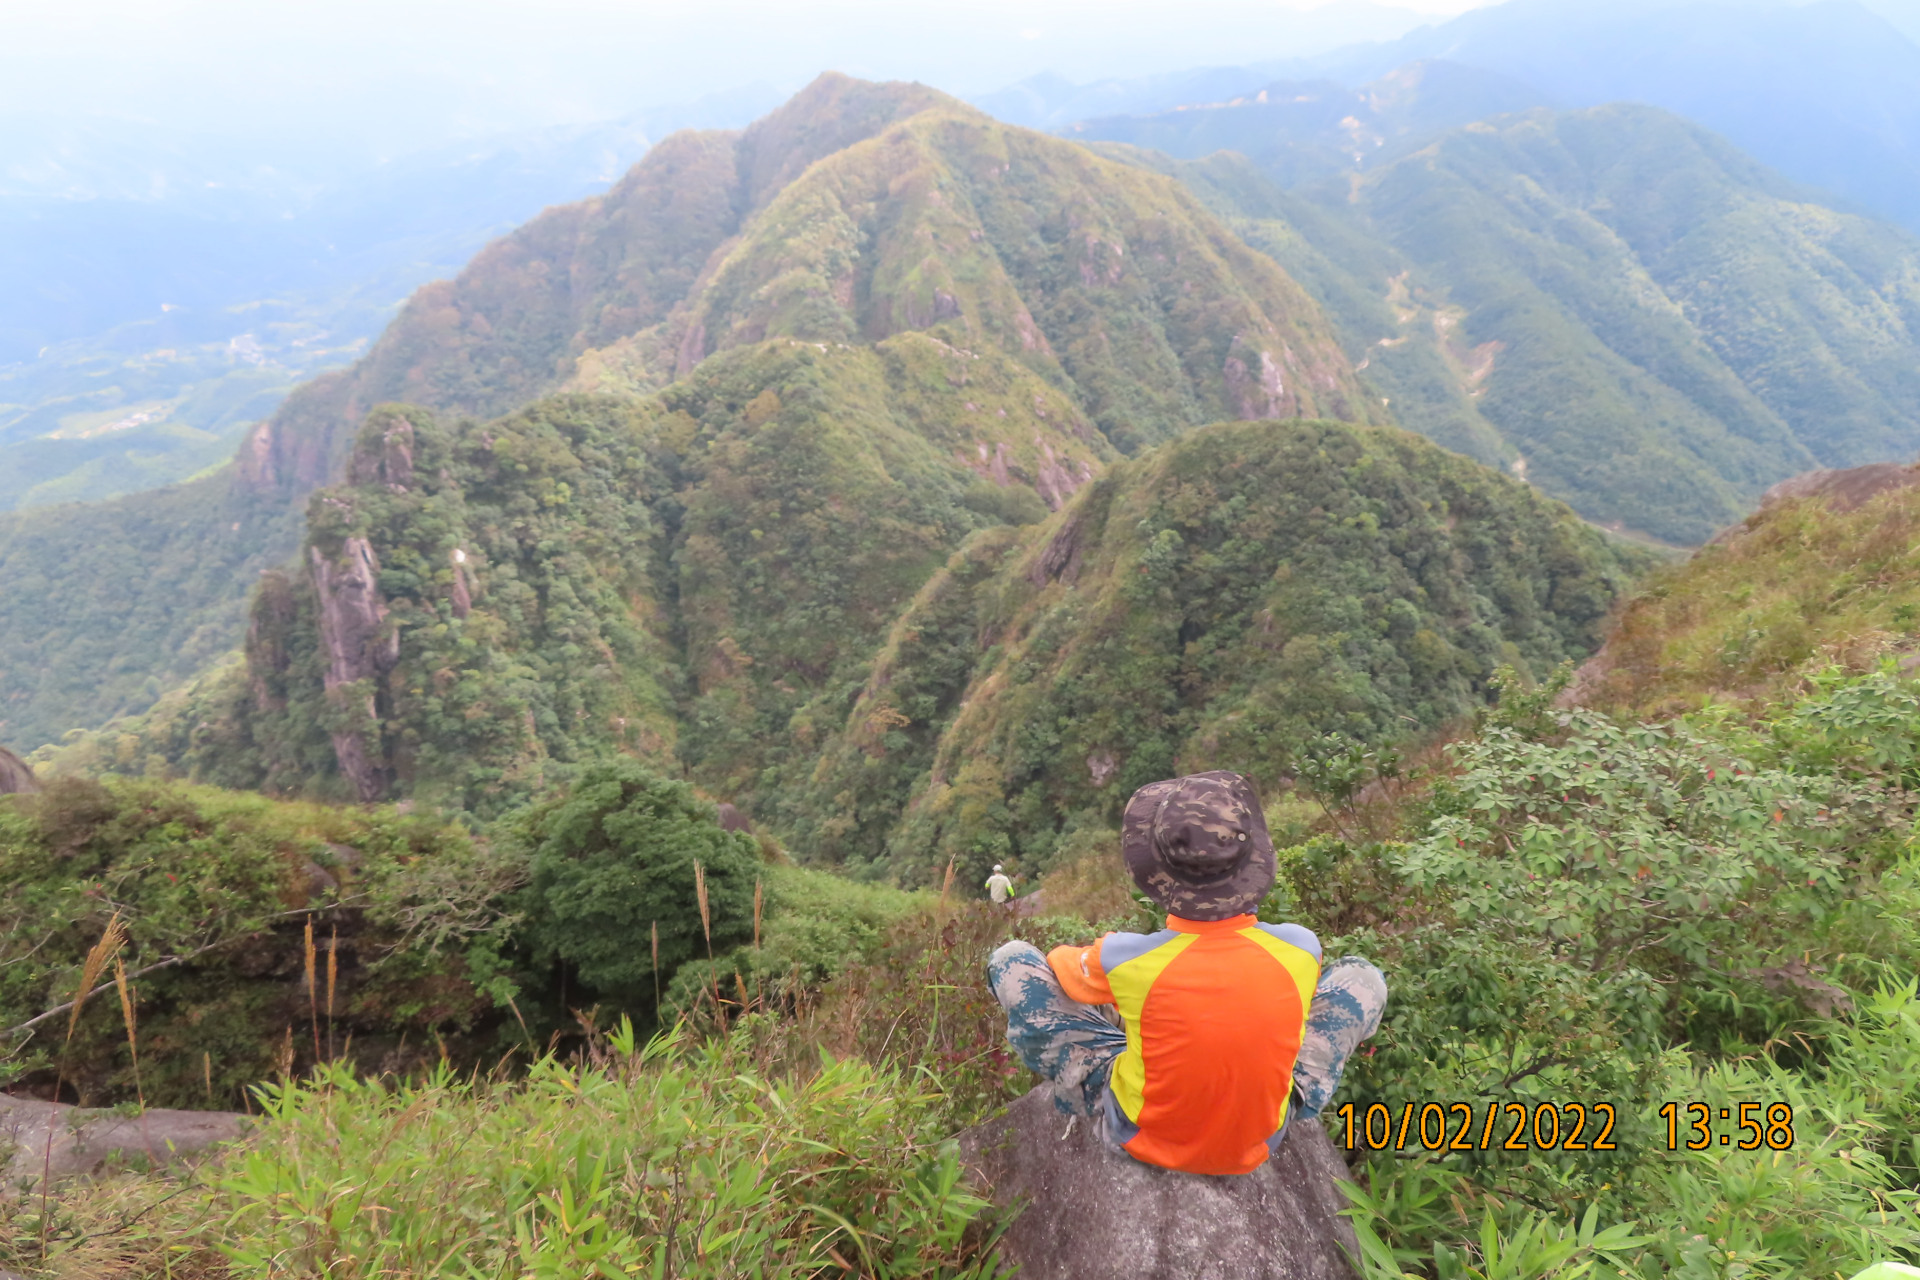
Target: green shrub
(216,891)
(614,857)
(815,924)
(1636,915)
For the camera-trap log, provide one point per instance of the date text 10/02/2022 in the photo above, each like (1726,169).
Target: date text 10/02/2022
(1566,1126)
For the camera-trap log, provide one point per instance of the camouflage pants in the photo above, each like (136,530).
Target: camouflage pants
(1074,1045)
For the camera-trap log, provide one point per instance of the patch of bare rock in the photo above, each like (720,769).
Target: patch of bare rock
(48,1139)
(15,777)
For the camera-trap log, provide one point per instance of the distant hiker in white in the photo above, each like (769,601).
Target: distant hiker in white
(998,886)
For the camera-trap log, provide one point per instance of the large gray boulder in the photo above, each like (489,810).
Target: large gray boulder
(85,1140)
(1095,1213)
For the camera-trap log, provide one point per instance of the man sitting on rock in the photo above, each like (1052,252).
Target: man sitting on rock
(1228,1032)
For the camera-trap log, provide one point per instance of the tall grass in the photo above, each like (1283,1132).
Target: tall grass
(669,1160)
(811,1139)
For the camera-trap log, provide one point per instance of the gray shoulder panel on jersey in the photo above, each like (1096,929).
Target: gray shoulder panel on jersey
(1297,935)
(1118,948)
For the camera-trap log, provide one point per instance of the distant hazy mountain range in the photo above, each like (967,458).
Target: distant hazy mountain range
(166,290)
(1824,92)
(986,315)
(911,479)
(1613,302)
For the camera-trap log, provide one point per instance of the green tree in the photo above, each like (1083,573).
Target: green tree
(616,855)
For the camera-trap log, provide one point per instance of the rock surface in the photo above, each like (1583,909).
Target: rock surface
(15,776)
(1840,490)
(1844,490)
(1095,1213)
(83,1140)
(359,647)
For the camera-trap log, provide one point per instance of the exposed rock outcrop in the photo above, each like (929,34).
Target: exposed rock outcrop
(1061,557)
(84,1140)
(359,648)
(1844,490)
(1839,490)
(15,776)
(387,460)
(1094,1213)
(1253,383)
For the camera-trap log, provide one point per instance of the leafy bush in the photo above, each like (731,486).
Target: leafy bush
(216,891)
(1639,914)
(816,924)
(621,853)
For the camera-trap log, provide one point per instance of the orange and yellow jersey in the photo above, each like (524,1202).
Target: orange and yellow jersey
(1214,1012)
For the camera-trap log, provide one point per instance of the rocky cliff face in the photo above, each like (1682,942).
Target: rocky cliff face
(358,648)
(15,776)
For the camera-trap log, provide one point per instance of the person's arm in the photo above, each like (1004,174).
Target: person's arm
(1080,973)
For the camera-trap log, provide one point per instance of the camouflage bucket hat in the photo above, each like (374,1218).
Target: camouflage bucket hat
(1198,845)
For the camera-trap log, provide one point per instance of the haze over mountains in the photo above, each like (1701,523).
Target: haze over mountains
(171,285)
(1613,304)
(169,288)
(1822,92)
(278,184)
(1081,305)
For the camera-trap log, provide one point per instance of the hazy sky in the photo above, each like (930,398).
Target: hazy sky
(405,71)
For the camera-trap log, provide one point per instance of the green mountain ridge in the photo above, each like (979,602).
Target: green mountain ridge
(1655,326)
(791,597)
(1221,602)
(1610,303)
(1060,333)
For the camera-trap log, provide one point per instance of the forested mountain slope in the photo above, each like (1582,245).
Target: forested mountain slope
(682,577)
(921,211)
(506,329)
(1648,323)
(1219,603)
(1069,306)
(104,606)
(750,590)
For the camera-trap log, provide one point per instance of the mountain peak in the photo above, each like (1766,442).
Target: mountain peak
(829,115)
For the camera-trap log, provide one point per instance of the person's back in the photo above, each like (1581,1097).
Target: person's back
(999,888)
(1214,1012)
(1229,1028)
